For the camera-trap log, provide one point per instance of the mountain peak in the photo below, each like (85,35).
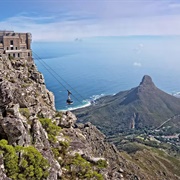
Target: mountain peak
(146,105)
(147,81)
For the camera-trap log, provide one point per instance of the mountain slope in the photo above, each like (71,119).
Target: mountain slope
(37,142)
(145,106)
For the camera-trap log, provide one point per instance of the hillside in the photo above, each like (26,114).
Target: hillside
(143,107)
(39,143)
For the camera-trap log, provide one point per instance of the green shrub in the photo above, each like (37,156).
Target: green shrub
(60,151)
(25,112)
(78,167)
(58,114)
(79,161)
(93,174)
(31,165)
(64,146)
(10,159)
(51,128)
(102,163)
(56,152)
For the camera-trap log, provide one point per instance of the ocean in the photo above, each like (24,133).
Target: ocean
(94,67)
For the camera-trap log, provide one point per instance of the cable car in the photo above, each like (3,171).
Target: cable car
(69,101)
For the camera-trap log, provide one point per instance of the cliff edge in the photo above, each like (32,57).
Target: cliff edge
(37,142)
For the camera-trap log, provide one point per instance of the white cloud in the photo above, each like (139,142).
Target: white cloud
(57,30)
(141,45)
(174,5)
(137,64)
(103,18)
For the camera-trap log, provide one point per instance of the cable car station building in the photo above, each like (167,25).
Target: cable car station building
(16,45)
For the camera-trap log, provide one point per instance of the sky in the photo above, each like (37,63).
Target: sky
(64,20)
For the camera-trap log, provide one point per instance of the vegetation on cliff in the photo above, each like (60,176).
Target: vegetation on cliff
(51,128)
(36,142)
(23,163)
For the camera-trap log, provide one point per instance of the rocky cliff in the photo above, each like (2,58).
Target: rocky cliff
(36,142)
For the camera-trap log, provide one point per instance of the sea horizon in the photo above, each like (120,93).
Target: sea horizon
(107,65)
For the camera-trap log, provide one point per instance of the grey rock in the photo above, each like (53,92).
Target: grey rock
(22,89)
(17,87)
(91,144)
(15,127)
(67,120)
(40,141)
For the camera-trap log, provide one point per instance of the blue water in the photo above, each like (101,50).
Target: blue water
(100,66)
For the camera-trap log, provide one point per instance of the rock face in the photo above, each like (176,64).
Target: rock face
(145,106)
(23,98)
(67,120)
(21,83)
(37,142)
(147,81)
(28,119)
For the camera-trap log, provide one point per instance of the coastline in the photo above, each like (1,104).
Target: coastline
(76,107)
(86,103)
(92,101)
